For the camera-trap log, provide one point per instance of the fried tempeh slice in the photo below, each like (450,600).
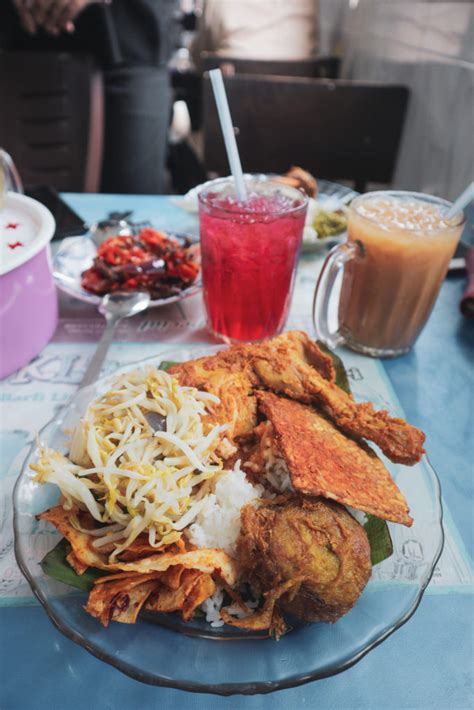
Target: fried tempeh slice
(119,597)
(202,590)
(206,560)
(80,542)
(167,599)
(172,577)
(322,461)
(141,548)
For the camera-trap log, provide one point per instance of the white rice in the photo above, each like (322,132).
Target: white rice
(218,525)
(360,516)
(218,522)
(212,608)
(276,472)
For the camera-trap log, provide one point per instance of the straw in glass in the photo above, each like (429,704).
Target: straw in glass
(228,132)
(463,200)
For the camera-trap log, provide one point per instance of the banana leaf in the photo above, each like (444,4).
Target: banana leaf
(380,542)
(55,565)
(166,364)
(342,380)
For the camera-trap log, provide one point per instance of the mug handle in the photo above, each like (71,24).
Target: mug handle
(334,262)
(12,176)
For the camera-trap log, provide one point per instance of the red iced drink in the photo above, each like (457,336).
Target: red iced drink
(249,254)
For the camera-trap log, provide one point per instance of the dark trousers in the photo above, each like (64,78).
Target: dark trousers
(129,41)
(137,111)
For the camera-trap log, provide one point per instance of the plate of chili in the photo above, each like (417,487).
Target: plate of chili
(167,266)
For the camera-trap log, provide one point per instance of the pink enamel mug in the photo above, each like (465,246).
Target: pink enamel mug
(28,298)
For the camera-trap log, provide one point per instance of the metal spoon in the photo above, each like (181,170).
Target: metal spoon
(114,307)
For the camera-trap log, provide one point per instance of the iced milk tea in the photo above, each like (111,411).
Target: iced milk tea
(388,292)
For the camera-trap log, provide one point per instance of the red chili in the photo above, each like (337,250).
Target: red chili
(116,258)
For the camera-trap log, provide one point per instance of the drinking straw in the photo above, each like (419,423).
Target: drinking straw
(228,132)
(463,200)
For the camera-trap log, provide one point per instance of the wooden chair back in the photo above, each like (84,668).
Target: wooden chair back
(317,68)
(51,118)
(339,130)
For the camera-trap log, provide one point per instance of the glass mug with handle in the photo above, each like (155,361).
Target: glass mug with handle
(393,264)
(9,177)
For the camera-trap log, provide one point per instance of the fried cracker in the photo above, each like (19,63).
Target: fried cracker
(121,599)
(205,560)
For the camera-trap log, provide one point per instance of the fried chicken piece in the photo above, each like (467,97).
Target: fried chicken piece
(291,364)
(268,618)
(279,370)
(400,442)
(230,375)
(301,179)
(322,461)
(316,543)
(234,389)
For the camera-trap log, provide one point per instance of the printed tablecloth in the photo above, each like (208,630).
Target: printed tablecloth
(30,397)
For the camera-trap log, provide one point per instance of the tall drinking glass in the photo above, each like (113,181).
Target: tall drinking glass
(249,254)
(393,264)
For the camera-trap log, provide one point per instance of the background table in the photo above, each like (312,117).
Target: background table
(428,663)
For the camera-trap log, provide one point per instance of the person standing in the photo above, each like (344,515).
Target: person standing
(132,41)
(259,29)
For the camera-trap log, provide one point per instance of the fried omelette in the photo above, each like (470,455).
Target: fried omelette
(294,366)
(309,556)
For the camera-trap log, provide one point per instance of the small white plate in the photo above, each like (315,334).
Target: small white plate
(76,254)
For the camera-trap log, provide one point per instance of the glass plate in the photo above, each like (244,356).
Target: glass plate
(76,254)
(194,657)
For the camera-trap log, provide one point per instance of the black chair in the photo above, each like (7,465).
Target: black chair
(317,68)
(339,130)
(51,118)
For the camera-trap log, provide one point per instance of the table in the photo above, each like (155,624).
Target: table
(426,663)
